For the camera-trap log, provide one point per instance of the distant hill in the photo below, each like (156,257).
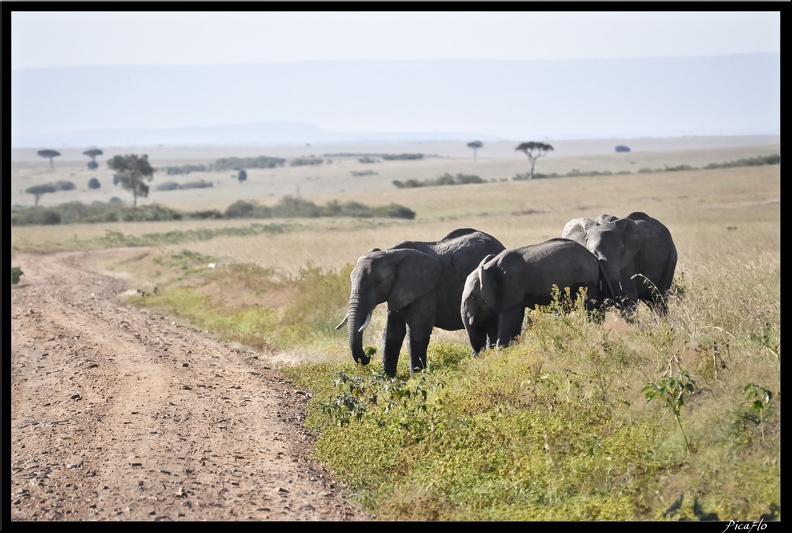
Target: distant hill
(386,101)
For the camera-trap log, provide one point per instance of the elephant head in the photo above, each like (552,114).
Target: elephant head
(577,228)
(492,301)
(396,276)
(616,244)
(478,310)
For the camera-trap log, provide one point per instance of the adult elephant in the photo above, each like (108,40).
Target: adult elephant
(422,283)
(499,290)
(637,254)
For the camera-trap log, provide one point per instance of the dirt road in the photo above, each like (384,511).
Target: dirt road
(120,414)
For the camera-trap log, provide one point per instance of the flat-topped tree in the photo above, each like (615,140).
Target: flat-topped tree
(132,171)
(533,150)
(39,190)
(49,154)
(475,145)
(93,153)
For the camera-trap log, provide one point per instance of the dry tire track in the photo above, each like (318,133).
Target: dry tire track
(119,414)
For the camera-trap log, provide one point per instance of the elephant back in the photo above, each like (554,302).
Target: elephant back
(658,257)
(467,241)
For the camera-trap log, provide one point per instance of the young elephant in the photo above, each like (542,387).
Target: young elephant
(497,292)
(422,283)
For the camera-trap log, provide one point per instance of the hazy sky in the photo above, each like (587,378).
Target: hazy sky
(61,39)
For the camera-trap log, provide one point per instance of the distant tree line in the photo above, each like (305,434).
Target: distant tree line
(394,157)
(774,159)
(116,210)
(460,179)
(237,163)
(383,156)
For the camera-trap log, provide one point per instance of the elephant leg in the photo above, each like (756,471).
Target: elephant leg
(419,342)
(418,349)
(492,333)
(395,330)
(510,325)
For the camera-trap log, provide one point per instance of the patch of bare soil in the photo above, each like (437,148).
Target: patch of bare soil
(118,414)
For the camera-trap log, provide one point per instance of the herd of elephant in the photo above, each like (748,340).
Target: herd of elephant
(469,280)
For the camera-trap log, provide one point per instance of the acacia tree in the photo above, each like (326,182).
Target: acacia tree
(92,153)
(533,150)
(49,154)
(132,171)
(38,190)
(475,145)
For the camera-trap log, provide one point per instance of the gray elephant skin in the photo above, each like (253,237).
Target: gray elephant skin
(637,253)
(422,284)
(499,290)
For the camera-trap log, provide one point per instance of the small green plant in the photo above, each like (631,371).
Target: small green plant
(759,397)
(16,272)
(672,390)
(352,399)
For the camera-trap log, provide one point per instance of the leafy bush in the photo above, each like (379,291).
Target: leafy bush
(403,157)
(16,272)
(114,210)
(33,216)
(64,185)
(238,163)
(540,176)
(394,211)
(246,209)
(93,183)
(172,185)
(167,186)
(301,161)
(678,168)
(200,184)
(290,206)
(185,169)
(445,179)
(773,159)
(208,214)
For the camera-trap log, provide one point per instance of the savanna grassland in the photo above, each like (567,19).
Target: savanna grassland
(662,419)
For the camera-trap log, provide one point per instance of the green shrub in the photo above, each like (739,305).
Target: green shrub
(16,272)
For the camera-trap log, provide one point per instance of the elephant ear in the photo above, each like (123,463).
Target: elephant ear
(417,274)
(631,239)
(604,219)
(489,284)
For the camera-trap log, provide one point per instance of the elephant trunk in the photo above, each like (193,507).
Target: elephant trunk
(355,328)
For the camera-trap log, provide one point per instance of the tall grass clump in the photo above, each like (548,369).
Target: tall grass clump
(279,311)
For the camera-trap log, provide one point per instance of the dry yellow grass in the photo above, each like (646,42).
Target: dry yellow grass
(695,205)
